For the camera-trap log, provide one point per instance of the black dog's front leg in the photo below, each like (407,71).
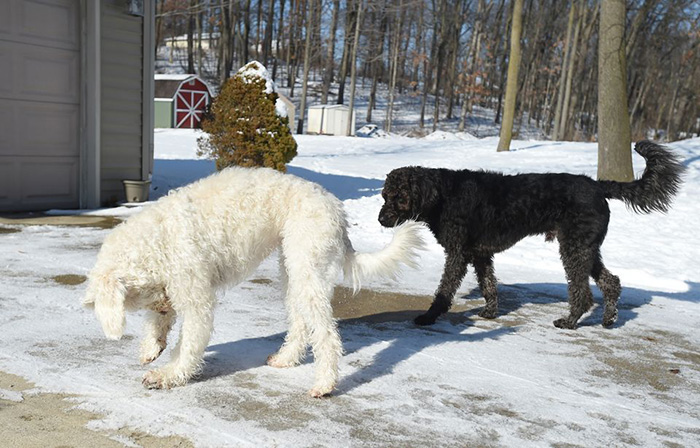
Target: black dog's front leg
(488,285)
(455,270)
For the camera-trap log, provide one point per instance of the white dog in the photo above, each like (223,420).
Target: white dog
(171,257)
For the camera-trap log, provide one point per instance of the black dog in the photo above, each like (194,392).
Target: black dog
(475,214)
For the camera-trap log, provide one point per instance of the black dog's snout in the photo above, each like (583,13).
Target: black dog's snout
(386,217)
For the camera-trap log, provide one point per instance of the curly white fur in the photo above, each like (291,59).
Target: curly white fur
(171,257)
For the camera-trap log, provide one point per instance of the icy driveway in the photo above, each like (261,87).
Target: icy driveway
(515,381)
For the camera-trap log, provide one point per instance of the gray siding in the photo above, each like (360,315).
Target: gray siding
(121,96)
(39,104)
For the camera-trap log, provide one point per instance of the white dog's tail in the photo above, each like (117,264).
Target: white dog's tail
(107,294)
(387,262)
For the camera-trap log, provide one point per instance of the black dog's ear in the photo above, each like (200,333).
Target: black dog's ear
(424,191)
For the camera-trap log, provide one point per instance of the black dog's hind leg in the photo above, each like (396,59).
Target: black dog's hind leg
(610,286)
(455,270)
(578,264)
(487,283)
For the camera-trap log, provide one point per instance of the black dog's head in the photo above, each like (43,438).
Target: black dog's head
(409,193)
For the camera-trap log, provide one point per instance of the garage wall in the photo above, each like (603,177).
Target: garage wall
(39,104)
(121,96)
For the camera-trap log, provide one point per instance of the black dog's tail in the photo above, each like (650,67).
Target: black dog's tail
(658,185)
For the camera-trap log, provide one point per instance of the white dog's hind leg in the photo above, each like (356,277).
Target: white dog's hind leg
(197,323)
(155,333)
(310,294)
(325,340)
(294,348)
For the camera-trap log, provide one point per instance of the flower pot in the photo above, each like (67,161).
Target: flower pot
(136,190)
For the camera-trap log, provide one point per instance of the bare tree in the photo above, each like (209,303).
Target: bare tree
(449,53)
(353,66)
(512,81)
(396,40)
(350,21)
(570,73)
(311,17)
(328,69)
(562,75)
(614,151)
(190,36)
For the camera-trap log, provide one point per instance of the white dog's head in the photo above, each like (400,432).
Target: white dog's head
(107,295)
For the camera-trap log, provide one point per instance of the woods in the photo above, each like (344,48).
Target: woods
(452,55)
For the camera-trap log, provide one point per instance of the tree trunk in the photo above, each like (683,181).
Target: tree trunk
(353,66)
(394,67)
(330,55)
(291,39)
(258,32)
(562,76)
(159,24)
(280,32)
(343,72)
(200,50)
(307,63)
(246,32)
(226,41)
(375,58)
(267,45)
(570,74)
(439,30)
(190,37)
(429,68)
(455,26)
(512,82)
(498,36)
(614,153)
(670,133)
(581,73)
(471,65)
(502,78)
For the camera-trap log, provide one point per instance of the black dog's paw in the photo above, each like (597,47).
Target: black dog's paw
(425,319)
(609,321)
(565,324)
(488,313)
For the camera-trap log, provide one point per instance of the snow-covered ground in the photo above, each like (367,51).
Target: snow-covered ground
(513,381)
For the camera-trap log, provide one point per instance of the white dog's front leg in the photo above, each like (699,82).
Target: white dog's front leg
(187,356)
(155,334)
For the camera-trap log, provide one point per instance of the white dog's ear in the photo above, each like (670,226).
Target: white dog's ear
(107,294)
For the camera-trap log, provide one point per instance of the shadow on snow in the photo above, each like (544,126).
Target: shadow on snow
(403,339)
(171,174)
(395,329)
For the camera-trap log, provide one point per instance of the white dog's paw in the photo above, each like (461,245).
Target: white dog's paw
(162,379)
(321,391)
(278,361)
(150,351)
(154,379)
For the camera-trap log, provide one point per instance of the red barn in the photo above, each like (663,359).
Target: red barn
(180,101)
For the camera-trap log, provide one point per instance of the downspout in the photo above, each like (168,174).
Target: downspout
(90,176)
(147,109)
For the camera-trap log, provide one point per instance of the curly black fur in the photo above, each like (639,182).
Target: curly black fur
(475,214)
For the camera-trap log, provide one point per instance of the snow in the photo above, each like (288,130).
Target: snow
(512,381)
(442,135)
(255,69)
(172,77)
